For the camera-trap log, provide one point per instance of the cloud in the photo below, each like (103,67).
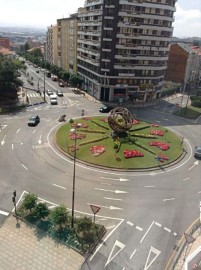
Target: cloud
(187,22)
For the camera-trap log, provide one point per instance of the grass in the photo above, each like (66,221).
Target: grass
(112,158)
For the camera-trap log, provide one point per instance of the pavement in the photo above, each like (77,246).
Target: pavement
(22,248)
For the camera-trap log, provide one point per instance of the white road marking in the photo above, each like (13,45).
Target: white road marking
(114,199)
(186,179)
(199,191)
(175,234)
(132,254)
(12,146)
(167,229)
(195,163)
(170,199)
(58,186)
(106,184)
(18,130)
(34,131)
(156,253)
(113,191)
(110,227)
(158,224)
(40,141)
(146,232)
(120,247)
(24,166)
(129,223)
(3,141)
(116,179)
(139,228)
(4,213)
(149,186)
(107,207)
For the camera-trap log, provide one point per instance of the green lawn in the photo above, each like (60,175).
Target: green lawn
(111,157)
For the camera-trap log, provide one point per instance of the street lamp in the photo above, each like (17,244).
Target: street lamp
(73,131)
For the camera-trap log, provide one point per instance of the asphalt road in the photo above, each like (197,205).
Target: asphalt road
(145,213)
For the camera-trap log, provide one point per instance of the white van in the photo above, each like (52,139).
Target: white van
(53,99)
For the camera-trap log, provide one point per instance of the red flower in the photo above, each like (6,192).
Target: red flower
(132,153)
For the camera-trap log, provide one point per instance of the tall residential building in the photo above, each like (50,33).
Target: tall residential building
(51,45)
(123,47)
(67,43)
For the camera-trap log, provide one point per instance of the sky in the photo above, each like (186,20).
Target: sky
(43,13)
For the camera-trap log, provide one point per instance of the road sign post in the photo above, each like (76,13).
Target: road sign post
(95,209)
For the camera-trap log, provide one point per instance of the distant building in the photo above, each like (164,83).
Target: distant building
(184,64)
(5,43)
(51,45)
(6,53)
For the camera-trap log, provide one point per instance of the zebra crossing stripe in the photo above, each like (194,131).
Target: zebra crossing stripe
(4,213)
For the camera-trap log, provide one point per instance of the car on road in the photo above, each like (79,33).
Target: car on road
(59,93)
(197,153)
(61,83)
(49,92)
(33,120)
(105,109)
(37,71)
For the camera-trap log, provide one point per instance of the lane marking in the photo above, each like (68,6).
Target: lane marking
(18,130)
(167,229)
(186,179)
(24,166)
(170,199)
(149,186)
(116,179)
(58,186)
(107,207)
(34,131)
(106,184)
(132,254)
(139,228)
(114,199)
(109,190)
(146,232)
(195,163)
(156,253)
(12,146)
(129,223)
(158,224)
(4,213)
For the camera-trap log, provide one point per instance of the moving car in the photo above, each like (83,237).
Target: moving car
(197,153)
(105,109)
(33,120)
(61,83)
(59,93)
(49,92)
(53,99)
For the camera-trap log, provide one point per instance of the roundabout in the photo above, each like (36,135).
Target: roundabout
(119,142)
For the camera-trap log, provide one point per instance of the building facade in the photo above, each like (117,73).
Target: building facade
(184,64)
(123,47)
(67,43)
(5,43)
(51,45)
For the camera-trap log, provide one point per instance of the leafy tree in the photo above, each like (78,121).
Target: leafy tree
(84,224)
(66,76)
(41,211)
(30,201)
(75,80)
(59,216)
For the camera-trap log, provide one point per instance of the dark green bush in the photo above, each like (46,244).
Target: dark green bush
(196,103)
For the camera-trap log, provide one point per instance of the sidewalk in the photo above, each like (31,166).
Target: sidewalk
(21,248)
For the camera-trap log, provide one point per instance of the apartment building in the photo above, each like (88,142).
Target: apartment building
(184,64)
(123,47)
(67,43)
(51,45)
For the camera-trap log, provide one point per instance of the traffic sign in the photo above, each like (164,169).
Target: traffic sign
(94,208)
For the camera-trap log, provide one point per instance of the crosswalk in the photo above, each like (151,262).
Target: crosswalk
(31,95)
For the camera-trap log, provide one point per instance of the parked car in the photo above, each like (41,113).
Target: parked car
(59,93)
(61,83)
(105,109)
(197,153)
(33,120)
(49,92)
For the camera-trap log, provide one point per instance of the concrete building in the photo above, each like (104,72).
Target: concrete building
(123,47)
(67,43)
(51,45)
(184,64)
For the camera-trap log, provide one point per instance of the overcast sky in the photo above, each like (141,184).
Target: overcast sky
(43,13)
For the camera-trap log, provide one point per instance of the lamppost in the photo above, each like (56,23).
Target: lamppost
(73,131)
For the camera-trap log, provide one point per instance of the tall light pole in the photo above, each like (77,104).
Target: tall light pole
(73,130)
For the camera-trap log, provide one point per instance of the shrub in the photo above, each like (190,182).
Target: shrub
(196,103)
(71,121)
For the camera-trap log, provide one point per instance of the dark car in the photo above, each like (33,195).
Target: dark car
(59,93)
(105,109)
(197,153)
(33,120)
(37,71)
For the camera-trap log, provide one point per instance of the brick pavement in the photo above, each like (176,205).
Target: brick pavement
(21,248)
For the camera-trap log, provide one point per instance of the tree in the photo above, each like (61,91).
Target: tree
(59,216)
(84,224)
(30,201)
(75,80)
(41,211)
